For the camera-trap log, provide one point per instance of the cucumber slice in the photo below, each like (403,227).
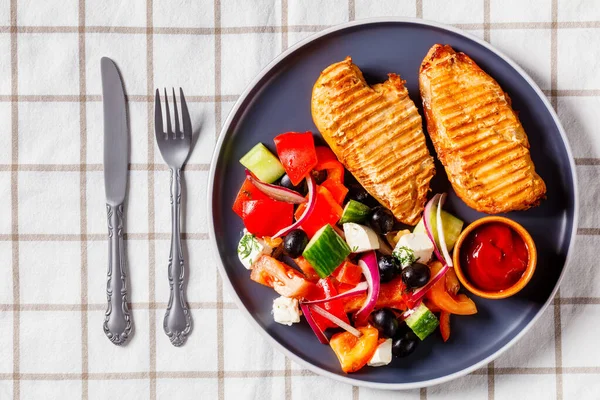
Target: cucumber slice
(422,321)
(326,251)
(355,212)
(452,228)
(262,163)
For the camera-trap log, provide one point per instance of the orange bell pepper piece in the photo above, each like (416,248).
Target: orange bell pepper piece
(353,352)
(439,296)
(445,325)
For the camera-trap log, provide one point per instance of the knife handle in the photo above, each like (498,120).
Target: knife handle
(117,321)
(178,320)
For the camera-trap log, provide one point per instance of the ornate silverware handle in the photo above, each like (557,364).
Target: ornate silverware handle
(178,320)
(117,320)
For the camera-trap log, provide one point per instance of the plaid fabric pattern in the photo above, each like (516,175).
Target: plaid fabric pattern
(52,217)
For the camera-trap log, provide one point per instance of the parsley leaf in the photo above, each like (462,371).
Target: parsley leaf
(405,256)
(247,244)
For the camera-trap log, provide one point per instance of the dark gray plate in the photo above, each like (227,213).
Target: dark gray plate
(279,101)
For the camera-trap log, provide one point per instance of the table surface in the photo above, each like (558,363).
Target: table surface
(52,216)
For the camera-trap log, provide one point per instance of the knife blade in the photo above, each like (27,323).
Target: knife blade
(116,146)
(118,324)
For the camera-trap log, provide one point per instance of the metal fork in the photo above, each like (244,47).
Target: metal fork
(175,147)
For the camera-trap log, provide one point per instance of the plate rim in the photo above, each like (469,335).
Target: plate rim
(211,184)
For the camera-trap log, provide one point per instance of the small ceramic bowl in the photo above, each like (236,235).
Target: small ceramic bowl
(520,284)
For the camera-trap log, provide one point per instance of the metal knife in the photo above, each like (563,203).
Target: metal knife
(118,325)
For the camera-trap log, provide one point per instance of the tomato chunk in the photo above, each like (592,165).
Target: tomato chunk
(297,154)
(325,290)
(348,273)
(266,217)
(326,211)
(284,279)
(439,296)
(247,192)
(352,352)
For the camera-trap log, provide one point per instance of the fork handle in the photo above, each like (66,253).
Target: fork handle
(178,320)
(117,320)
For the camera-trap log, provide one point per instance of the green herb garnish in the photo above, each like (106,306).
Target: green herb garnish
(247,244)
(405,256)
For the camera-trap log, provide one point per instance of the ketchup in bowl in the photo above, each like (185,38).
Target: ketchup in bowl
(494,257)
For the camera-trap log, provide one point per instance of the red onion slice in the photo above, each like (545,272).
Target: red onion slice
(336,320)
(276,192)
(420,292)
(368,264)
(427,224)
(312,200)
(360,288)
(313,325)
(440,230)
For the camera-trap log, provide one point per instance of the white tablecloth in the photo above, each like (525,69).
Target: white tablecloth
(52,216)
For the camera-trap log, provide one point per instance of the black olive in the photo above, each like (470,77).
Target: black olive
(295,242)
(386,322)
(387,268)
(416,275)
(382,220)
(287,183)
(404,345)
(358,193)
(319,176)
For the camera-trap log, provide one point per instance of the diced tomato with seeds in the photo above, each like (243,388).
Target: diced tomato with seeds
(246,193)
(284,279)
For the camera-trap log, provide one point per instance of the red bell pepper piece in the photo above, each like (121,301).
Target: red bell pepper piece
(247,192)
(348,273)
(265,217)
(338,191)
(324,290)
(390,296)
(326,160)
(326,211)
(308,269)
(297,154)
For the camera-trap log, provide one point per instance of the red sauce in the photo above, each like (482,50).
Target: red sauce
(495,257)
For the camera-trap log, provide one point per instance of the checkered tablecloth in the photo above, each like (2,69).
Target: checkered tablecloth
(53,253)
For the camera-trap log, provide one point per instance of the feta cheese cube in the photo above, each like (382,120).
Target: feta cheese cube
(286,310)
(383,355)
(360,238)
(420,245)
(250,248)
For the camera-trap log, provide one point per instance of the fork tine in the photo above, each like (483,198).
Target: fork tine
(168,113)
(185,116)
(158,122)
(177,130)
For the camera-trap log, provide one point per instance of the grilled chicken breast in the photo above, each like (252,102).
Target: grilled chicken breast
(477,135)
(376,132)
